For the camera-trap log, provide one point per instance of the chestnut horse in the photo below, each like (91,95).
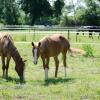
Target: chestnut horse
(51,47)
(8,50)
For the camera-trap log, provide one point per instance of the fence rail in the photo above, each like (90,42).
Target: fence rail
(25,29)
(47,28)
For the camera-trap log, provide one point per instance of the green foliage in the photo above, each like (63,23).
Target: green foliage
(89,50)
(89,14)
(58,5)
(32,12)
(23,18)
(67,21)
(80,16)
(1,10)
(9,12)
(92,13)
(36,9)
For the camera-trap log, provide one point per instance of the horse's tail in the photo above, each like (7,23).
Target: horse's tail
(77,51)
(70,49)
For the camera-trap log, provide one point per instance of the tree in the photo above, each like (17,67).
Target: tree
(58,5)
(89,14)
(92,15)
(1,10)
(9,11)
(36,9)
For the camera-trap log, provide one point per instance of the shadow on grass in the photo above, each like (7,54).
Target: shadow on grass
(11,79)
(57,80)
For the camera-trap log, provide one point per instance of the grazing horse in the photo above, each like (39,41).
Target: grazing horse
(8,50)
(51,47)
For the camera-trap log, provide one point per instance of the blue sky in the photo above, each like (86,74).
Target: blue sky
(76,2)
(66,1)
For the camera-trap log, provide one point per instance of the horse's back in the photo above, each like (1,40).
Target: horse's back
(55,44)
(60,40)
(4,40)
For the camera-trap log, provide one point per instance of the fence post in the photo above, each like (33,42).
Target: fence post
(77,34)
(68,35)
(34,33)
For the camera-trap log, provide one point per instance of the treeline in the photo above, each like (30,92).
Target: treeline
(42,12)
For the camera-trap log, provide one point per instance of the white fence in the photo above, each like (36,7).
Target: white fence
(75,31)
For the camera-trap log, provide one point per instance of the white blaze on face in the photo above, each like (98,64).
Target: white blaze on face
(35,56)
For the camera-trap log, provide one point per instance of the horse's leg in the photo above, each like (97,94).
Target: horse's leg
(7,64)
(3,65)
(43,60)
(57,65)
(64,61)
(45,66)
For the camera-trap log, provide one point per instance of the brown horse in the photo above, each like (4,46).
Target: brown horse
(8,50)
(51,47)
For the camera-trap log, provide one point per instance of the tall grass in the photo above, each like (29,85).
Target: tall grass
(89,50)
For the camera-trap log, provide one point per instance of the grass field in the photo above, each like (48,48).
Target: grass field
(31,35)
(82,82)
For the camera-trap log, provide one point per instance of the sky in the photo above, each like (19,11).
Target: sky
(77,3)
(67,2)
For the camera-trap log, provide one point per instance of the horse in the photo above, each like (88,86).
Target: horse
(51,46)
(8,50)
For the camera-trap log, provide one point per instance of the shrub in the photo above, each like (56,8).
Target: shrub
(89,50)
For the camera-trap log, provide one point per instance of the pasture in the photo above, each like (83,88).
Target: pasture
(83,74)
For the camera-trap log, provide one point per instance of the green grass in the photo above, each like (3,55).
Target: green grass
(82,82)
(30,35)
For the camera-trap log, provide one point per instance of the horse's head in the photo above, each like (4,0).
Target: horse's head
(36,51)
(20,66)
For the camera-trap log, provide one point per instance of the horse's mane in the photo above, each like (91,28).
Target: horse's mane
(8,45)
(4,37)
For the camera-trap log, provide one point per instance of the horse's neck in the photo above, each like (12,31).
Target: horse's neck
(14,53)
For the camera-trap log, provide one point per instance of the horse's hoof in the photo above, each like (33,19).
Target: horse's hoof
(6,77)
(3,76)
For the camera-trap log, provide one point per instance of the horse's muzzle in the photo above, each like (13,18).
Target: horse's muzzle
(35,62)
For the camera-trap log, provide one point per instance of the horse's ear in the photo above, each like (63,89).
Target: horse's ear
(32,44)
(39,44)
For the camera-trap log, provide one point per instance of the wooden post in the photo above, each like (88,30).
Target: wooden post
(76,36)
(68,35)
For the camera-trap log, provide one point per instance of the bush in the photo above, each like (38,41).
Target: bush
(89,50)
